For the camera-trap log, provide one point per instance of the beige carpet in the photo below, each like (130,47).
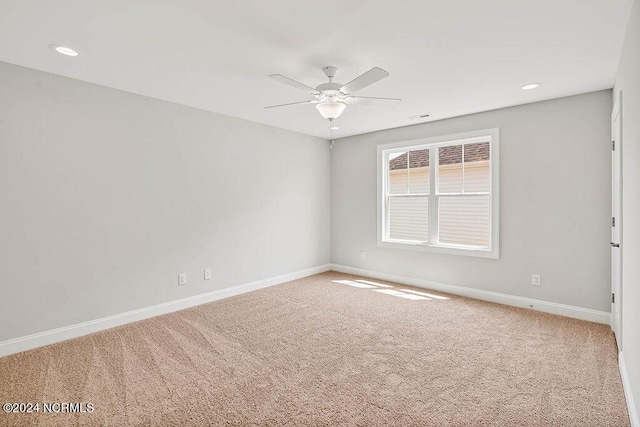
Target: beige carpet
(317,352)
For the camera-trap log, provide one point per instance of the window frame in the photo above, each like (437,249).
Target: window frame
(493,135)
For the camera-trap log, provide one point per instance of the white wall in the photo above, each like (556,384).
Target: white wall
(105,196)
(628,81)
(555,203)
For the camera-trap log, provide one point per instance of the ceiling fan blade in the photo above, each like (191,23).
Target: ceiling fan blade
(376,97)
(370,77)
(291,103)
(368,100)
(291,82)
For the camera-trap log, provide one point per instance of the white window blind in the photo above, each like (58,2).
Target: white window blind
(408,197)
(464,178)
(409,218)
(440,194)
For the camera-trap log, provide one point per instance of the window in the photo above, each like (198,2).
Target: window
(441,194)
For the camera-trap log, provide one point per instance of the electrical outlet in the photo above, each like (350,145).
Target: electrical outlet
(363,255)
(207,274)
(182,279)
(536,280)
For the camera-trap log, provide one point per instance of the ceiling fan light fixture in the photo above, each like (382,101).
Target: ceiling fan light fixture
(331,110)
(331,99)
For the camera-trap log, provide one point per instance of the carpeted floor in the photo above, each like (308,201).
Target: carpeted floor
(319,352)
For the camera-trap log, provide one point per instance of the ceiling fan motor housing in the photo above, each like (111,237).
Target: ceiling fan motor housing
(329,88)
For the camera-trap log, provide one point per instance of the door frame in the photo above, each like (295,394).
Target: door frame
(616,113)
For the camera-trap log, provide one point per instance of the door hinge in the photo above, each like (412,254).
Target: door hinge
(613,146)
(613,221)
(613,298)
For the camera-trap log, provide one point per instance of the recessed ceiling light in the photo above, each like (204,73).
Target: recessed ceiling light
(64,50)
(530,86)
(334,128)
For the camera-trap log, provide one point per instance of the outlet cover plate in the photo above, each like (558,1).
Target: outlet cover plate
(536,280)
(182,279)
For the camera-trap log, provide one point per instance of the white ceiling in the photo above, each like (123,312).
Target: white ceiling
(447,58)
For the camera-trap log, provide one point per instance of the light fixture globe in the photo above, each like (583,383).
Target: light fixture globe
(331,110)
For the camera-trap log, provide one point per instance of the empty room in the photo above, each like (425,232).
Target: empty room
(302,213)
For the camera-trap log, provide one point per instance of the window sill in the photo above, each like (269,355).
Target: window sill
(441,249)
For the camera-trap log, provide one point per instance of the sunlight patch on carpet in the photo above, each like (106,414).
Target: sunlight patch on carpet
(374,283)
(424,294)
(400,294)
(354,284)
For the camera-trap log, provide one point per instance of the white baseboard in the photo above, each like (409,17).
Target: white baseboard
(634,416)
(40,339)
(512,300)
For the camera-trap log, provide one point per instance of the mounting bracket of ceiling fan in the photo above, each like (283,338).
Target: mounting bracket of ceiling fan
(331,98)
(330,72)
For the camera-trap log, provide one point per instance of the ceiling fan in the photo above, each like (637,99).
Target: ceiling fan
(331,98)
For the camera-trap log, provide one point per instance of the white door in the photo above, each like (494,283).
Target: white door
(616,221)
